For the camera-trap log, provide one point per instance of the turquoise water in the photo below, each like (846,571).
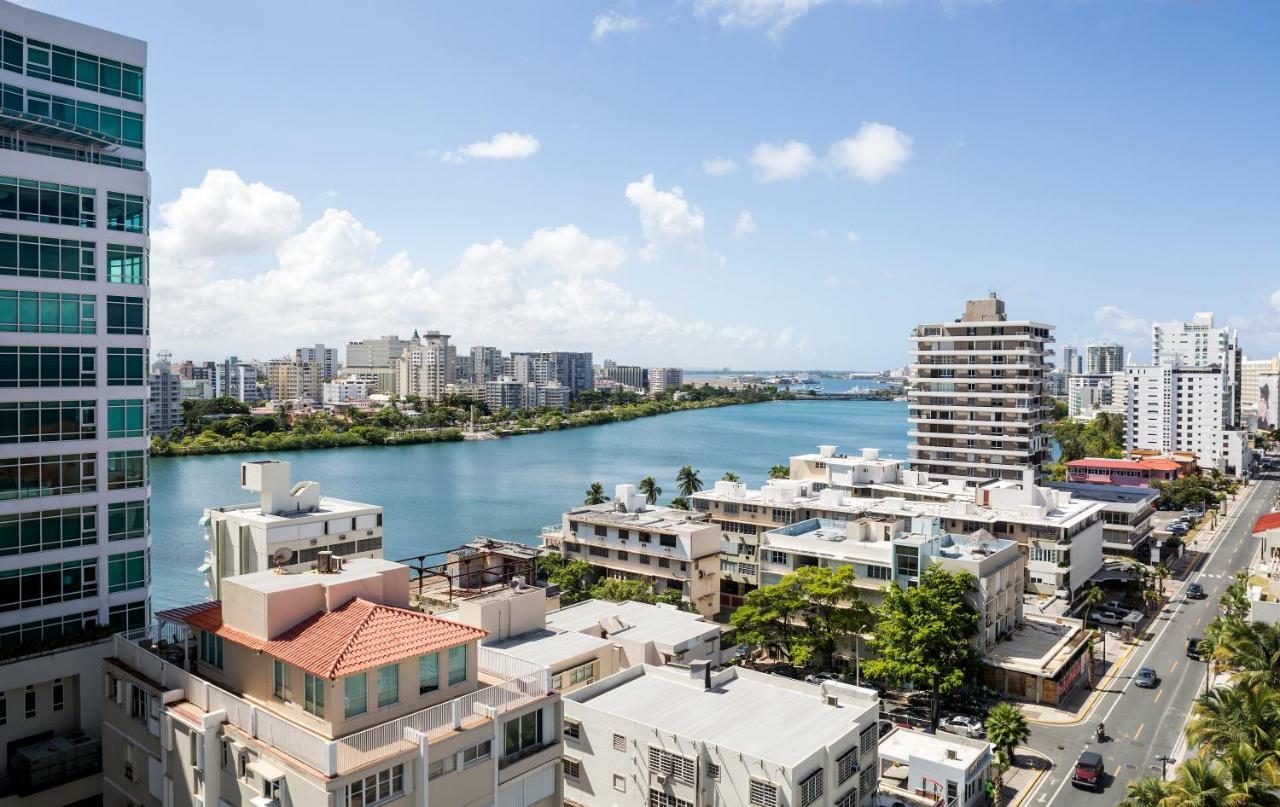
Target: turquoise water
(437,496)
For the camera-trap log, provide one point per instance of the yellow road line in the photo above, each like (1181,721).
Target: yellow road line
(1159,695)
(1138,733)
(1174,665)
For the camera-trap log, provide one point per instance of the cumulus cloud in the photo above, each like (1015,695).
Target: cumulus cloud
(1114,322)
(745,225)
(333,280)
(502,146)
(778,161)
(615,22)
(773,15)
(225,215)
(666,217)
(719,166)
(873,153)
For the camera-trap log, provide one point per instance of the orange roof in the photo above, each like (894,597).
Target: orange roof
(1161,465)
(1107,462)
(1270,521)
(359,635)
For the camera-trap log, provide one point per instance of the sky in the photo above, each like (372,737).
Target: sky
(705,183)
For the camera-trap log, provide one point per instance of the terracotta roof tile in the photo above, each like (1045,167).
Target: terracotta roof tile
(1270,521)
(356,636)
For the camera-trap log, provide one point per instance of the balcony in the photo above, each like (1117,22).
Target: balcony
(517,683)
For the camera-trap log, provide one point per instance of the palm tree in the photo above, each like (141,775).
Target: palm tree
(595,494)
(1252,774)
(1149,791)
(730,476)
(1199,784)
(1149,597)
(1254,648)
(688,482)
(1235,600)
(680,503)
(649,487)
(1225,716)
(1161,572)
(779,472)
(1006,730)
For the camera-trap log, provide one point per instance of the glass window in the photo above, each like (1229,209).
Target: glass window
(355,695)
(279,678)
(388,685)
(211,649)
(45,530)
(457,665)
(46,202)
(129,616)
(428,673)
(32,477)
(126,366)
(313,694)
(126,264)
(126,212)
(56,258)
(522,733)
(127,571)
(127,418)
(476,753)
(127,315)
(47,366)
(127,520)
(47,421)
(47,312)
(126,469)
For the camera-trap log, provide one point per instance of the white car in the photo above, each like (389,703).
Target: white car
(963,725)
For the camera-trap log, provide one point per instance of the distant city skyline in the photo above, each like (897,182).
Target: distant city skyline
(787,185)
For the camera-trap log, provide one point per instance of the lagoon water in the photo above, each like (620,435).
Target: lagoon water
(437,496)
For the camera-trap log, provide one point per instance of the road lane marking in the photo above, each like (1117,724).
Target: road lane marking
(1137,734)
(1172,667)
(1157,700)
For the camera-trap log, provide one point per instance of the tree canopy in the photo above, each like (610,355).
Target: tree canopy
(804,616)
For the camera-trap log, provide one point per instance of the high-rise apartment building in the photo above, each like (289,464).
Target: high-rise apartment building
(628,375)
(573,371)
(1255,380)
(292,379)
(978,399)
(1072,363)
(1104,358)
(1199,344)
(166,397)
(662,379)
(74,490)
(326,357)
(380,352)
(486,364)
(425,367)
(1174,407)
(237,379)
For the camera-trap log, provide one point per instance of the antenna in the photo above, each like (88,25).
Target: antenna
(281,556)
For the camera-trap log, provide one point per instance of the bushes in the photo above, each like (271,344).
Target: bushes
(209,442)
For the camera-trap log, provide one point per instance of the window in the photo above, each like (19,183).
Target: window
(211,649)
(73,68)
(658,798)
(30,698)
(29,477)
(279,679)
(664,563)
(59,696)
(907,559)
(572,768)
(879,572)
(128,762)
(428,673)
(644,559)
(667,540)
(572,729)
(867,739)
(388,685)
(377,788)
(849,799)
(127,571)
(601,531)
(46,421)
(41,531)
(867,779)
(355,695)
(126,469)
(619,743)
(127,616)
(678,767)
(127,315)
(126,366)
(127,265)
(846,766)
(48,366)
(47,312)
(598,551)
(106,122)
(442,766)
(774,556)
(457,665)
(138,703)
(522,733)
(763,794)
(126,212)
(127,520)
(50,583)
(127,418)
(477,753)
(4,709)
(620,783)
(811,788)
(54,258)
(47,202)
(313,694)
(713,771)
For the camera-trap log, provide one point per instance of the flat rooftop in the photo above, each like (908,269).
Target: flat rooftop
(277,580)
(777,720)
(655,519)
(1120,494)
(1041,646)
(900,745)
(828,539)
(549,648)
(664,625)
(329,508)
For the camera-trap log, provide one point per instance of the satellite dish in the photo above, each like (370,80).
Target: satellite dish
(281,556)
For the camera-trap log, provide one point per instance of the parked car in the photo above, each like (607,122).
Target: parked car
(1193,648)
(1195,591)
(1178,528)
(818,678)
(963,725)
(1105,617)
(1146,678)
(1089,771)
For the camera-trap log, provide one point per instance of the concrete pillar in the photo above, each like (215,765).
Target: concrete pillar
(421,796)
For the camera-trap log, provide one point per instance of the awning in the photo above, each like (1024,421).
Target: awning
(266,770)
(52,129)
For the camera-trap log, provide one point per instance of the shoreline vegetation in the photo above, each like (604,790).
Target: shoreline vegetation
(226,426)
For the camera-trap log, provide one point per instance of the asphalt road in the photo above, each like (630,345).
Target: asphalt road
(1143,724)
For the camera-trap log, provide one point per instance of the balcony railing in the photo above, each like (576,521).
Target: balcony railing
(521,682)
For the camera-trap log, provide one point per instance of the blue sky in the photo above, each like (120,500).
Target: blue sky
(1099,164)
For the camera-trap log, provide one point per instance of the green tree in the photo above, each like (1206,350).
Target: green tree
(730,476)
(649,487)
(779,472)
(1160,572)
(923,635)
(1148,791)
(1199,784)
(680,503)
(1253,648)
(595,494)
(1235,600)
(574,577)
(1006,729)
(687,481)
(1229,715)
(770,618)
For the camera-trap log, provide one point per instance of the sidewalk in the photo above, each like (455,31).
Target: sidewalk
(1081,702)
(1020,780)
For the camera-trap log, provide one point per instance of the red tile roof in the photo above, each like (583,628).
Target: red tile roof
(1270,521)
(356,636)
(1106,462)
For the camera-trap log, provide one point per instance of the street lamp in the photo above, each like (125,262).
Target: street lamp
(857,655)
(1164,760)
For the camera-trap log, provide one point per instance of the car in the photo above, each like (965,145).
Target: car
(1195,591)
(963,725)
(818,678)
(1193,648)
(1089,771)
(1104,617)
(1146,678)
(1178,528)
(886,726)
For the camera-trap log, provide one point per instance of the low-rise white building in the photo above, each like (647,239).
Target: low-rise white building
(934,769)
(346,391)
(663,737)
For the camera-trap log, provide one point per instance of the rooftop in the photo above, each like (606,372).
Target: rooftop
(329,507)
(656,519)
(1154,464)
(1270,521)
(1040,646)
(1122,494)
(549,648)
(902,744)
(763,716)
(358,635)
(662,624)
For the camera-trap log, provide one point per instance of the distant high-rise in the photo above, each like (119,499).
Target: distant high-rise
(662,379)
(486,364)
(1199,344)
(628,375)
(166,397)
(1104,358)
(325,357)
(237,379)
(426,366)
(1071,361)
(978,398)
(573,371)
(380,352)
(74,489)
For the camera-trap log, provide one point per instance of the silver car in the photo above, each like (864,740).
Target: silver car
(963,725)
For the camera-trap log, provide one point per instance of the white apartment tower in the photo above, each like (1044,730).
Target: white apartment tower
(326,357)
(1199,344)
(426,366)
(1173,407)
(1103,359)
(166,397)
(978,398)
(380,352)
(74,537)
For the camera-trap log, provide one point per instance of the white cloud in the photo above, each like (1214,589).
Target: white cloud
(1115,322)
(332,282)
(778,161)
(224,215)
(502,146)
(666,217)
(1275,299)
(852,237)
(745,225)
(775,15)
(719,166)
(873,153)
(615,22)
